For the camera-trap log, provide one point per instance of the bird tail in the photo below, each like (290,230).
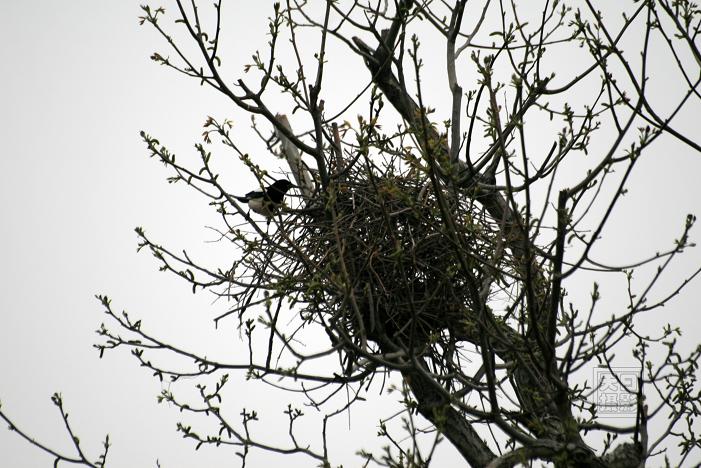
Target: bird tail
(241,199)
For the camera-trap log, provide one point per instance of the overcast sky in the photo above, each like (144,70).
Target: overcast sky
(75,179)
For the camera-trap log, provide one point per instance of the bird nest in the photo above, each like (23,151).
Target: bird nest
(389,263)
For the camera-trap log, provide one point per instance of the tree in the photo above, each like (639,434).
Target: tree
(426,233)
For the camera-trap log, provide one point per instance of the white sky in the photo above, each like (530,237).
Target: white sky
(75,179)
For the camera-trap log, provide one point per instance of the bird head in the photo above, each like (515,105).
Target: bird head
(283,185)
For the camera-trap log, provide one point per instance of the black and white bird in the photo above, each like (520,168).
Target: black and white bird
(267,203)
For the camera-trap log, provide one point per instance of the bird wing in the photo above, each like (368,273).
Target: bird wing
(250,196)
(255,194)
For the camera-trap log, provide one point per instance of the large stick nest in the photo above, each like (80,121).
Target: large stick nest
(378,261)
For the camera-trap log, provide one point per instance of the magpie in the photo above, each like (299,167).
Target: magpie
(266,203)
